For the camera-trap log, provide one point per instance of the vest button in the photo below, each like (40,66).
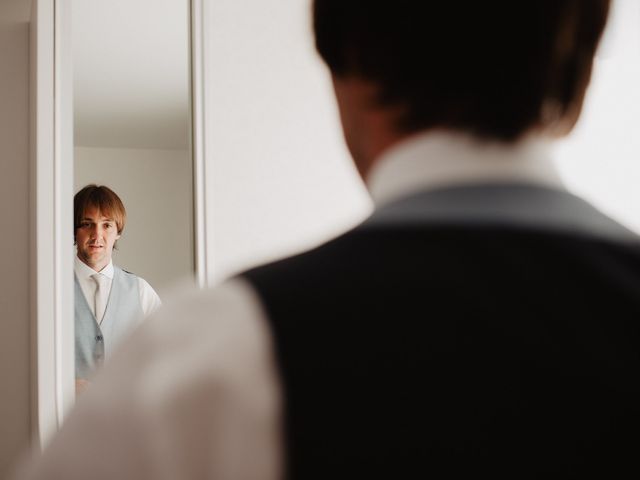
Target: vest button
(99,338)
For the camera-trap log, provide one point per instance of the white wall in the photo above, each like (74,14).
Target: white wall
(280,176)
(155,186)
(600,160)
(14,254)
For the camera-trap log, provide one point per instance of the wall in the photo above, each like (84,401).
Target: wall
(279,176)
(14,254)
(600,159)
(155,187)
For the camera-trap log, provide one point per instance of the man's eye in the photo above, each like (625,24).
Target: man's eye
(108,225)
(84,225)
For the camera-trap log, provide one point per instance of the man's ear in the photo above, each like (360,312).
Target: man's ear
(369,127)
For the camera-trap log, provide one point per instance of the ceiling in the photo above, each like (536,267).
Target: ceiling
(131,73)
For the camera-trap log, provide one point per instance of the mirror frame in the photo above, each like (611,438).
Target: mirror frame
(51,132)
(51,193)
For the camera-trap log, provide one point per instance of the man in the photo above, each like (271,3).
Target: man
(482,322)
(109,301)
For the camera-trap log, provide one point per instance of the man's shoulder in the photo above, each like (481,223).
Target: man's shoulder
(480,255)
(440,223)
(218,314)
(129,275)
(130,279)
(374,239)
(124,272)
(148,296)
(481,235)
(207,349)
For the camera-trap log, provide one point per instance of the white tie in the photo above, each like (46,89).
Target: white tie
(100,299)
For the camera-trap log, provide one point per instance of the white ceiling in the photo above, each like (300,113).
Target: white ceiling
(131,73)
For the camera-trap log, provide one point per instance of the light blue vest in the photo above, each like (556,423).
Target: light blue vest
(96,342)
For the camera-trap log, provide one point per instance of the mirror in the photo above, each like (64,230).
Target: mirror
(132,132)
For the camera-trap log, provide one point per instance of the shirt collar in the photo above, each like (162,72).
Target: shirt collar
(431,160)
(83,270)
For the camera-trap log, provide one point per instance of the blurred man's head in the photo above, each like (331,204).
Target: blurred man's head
(99,218)
(497,69)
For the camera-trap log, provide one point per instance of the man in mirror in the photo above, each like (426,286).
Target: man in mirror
(482,322)
(109,301)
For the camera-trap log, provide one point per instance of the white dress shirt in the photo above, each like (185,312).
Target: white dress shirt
(149,299)
(195,392)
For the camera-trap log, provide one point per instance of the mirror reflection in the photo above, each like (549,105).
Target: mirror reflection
(131,134)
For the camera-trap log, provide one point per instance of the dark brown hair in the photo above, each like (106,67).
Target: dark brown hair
(102,198)
(495,68)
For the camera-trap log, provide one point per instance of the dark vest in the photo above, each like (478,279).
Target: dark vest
(462,332)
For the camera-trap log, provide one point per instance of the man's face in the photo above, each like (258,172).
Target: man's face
(95,238)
